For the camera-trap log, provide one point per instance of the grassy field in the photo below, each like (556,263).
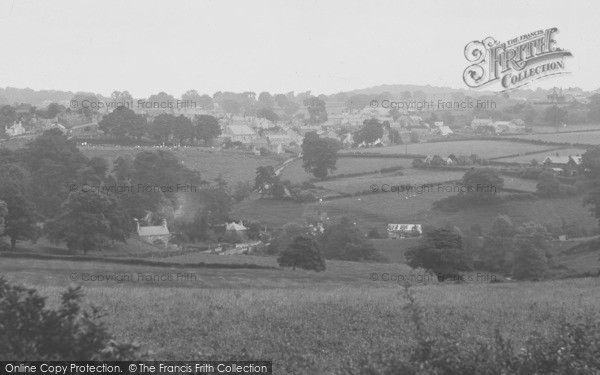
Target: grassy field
(542,155)
(232,166)
(409,176)
(523,184)
(306,323)
(592,137)
(295,173)
(485,149)
(377,210)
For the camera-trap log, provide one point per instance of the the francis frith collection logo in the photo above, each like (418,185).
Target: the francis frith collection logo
(514,63)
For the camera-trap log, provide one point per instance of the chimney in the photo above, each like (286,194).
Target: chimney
(137,224)
(164,223)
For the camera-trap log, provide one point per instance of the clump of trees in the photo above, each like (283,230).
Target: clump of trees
(549,186)
(88,206)
(441,251)
(124,124)
(342,241)
(479,186)
(521,252)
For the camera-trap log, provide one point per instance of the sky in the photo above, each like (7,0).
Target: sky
(325,46)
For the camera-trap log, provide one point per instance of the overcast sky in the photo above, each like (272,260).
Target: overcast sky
(277,46)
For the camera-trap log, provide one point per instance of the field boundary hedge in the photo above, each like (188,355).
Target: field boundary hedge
(377,155)
(133,262)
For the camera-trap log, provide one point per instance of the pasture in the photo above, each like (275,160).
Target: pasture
(409,176)
(526,159)
(306,323)
(295,173)
(591,137)
(482,148)
(522,184)
(233,166)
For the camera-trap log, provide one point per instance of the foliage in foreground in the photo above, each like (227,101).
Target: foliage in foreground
(572,349)
(30,331)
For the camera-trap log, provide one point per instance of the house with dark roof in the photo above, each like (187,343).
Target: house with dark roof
(153,234)
(568,165)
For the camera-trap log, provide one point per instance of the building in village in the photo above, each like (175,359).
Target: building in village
(153,234)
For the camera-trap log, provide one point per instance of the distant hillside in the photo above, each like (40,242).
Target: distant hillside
(428,89)
(11,95)
(397,89)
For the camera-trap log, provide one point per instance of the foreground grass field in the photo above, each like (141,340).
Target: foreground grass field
(306,323)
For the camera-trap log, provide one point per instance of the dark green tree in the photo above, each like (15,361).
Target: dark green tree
(267,113)
(442,252)
(304,253)
(206,128)
(482,183)
(343,240)
(89,221)
(531,252)
(498,248)
(319,155)
(123,123)
(371,131)
(316,110)
(267,182)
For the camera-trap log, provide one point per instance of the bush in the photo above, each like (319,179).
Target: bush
(30,331)
(374,233)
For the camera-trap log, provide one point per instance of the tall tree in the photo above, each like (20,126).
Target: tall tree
(498,248)
(319,155)
(482,183)
(371,131)
(183,129)
(268,114)
(123,123)
(303,252)
(206,128)
(89,221)
(441,251)
(316,110)
(265,100)
(162,127)
(267,182)
(54,163)
(531,252)
(344,241)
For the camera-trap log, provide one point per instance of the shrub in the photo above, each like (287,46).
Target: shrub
(374,233)
(30,331)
